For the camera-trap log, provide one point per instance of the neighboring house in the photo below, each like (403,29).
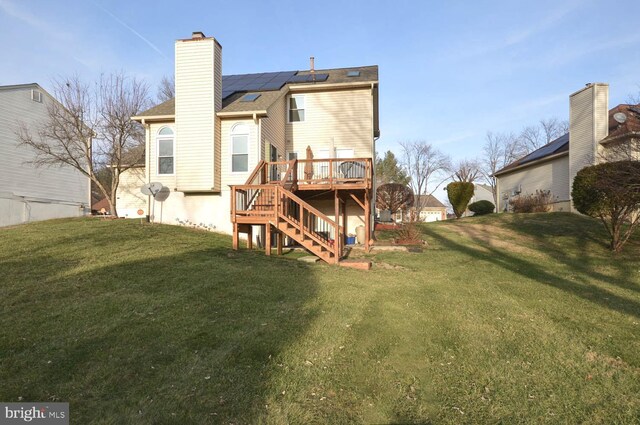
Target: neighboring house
(234,151)
(432,210)
(594,132)
(481,192)
(30,193)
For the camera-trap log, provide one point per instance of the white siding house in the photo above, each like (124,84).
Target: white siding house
(30,193)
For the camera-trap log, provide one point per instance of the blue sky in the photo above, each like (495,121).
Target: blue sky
(449,71)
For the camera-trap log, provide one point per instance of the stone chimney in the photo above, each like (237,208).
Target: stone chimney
(198,76)
(588,124)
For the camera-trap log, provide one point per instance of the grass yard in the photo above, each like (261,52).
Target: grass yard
(510,319)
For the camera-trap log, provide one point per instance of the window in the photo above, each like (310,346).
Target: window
(36,96)
(296,108)
(292,156)
(239,149)
(165,151)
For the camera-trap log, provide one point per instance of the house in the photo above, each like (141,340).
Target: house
(595,133)
(432,209)
(270,155)
(482,192)
(29,193)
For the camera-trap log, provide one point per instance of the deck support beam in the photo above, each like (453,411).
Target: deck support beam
(235,236)
(367,219)
(267,239)
(249,237)
(279,243)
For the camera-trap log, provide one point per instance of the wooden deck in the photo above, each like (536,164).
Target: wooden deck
(269,198)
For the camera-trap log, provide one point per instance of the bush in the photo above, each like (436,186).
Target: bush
(610,192)
(532,203)
(460,194)
(481,207)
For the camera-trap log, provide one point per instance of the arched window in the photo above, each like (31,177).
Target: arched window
(239,148)
(165,151)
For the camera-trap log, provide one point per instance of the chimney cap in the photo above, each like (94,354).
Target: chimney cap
(197,34)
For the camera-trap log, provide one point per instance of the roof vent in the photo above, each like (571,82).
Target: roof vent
(196,35)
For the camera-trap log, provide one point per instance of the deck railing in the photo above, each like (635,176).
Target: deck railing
(332,171)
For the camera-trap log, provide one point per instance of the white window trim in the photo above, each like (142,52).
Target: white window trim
(235,132)
(289,108)
(173,153)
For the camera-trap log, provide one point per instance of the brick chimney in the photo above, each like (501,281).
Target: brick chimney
(588,124)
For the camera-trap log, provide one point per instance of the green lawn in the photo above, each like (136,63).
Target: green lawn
(510,318)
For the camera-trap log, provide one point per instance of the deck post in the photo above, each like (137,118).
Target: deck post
(235,236)
(367,220)
(279,242)
(267,239)
(344,217)
(338,237)
(249,237)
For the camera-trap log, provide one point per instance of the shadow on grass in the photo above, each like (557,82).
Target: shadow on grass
(571,238)
(188,338)
(538,272)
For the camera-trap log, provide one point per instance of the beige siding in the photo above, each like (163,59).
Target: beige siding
(129,197)
(227,125)
(33,193)
(588,124)
(551,175)
(196,102)
(334,120)
(273,129)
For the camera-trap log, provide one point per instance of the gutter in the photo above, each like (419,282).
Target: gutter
(252,114)
(537,161)
(322,86)
(631,134)
(142,118)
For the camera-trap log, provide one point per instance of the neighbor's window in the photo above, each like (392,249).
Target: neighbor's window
(296,108)
(239,149)
(165,151)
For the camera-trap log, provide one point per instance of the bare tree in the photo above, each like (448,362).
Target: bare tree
(466,170)
(89,128)
(424,165)
(500,149)
(533,137)
(166,89)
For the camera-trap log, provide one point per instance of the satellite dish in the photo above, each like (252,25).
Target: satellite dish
(151,189)
(621,117)
(163,194)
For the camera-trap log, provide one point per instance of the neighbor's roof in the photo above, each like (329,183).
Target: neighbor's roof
(561,145)
(630,127)
(430,201)
(557,146)
(270,86)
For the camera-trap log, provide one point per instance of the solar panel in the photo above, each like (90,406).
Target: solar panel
(546,150)
(308,78)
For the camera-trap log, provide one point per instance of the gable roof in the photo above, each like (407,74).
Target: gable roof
(557,146)
(630,127)
(270,86)
(430,201)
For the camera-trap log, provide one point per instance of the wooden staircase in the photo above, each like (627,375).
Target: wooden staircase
(268,199)
(279,208)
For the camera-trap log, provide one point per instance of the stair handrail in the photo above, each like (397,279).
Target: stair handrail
(255,172)
(306,206)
